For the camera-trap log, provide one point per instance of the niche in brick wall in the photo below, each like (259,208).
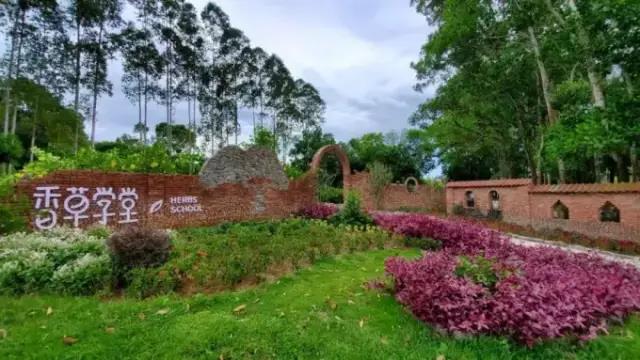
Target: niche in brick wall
(560,211)
(470,199)
(609,213)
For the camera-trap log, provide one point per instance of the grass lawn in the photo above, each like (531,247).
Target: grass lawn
(322,312)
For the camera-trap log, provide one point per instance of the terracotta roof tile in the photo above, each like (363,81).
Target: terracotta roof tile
(587,188)
(490,183)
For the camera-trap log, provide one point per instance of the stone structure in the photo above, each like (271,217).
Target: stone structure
(235,165)
(598,210)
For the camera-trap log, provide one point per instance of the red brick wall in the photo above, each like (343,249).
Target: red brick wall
(527,205)
(396,196)
(584,213)
(514,200)
(226,202)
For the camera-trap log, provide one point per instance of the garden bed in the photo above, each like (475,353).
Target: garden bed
(482,283)
(319,312)
(229,256)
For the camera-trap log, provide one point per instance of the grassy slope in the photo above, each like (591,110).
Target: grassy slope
(288,319)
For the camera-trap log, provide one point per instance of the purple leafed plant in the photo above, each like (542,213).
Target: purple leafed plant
(319,211)
(547,293)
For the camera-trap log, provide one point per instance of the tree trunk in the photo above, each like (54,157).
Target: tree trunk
(146,99)
(544,77)
(95,88)
(139,124)
(76,100)
(18,61)
(621,174)
(33,131)
(7,85)
(552,114)
(597,162)
(635,166)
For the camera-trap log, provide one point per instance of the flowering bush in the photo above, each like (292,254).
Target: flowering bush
(538,293)
(319,211)
(60,260)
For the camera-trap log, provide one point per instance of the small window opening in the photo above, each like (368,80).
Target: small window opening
(494,198)
(411,183)
(470,199)
(560,211)
(609,213)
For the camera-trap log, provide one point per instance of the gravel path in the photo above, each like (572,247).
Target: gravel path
(528,241)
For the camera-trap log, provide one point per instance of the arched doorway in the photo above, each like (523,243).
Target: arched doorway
(341,157)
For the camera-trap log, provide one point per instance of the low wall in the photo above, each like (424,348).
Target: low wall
(397,196)
(85,198)
(523,203)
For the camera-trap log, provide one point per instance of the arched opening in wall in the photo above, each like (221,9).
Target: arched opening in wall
(560,211)
(494,199)
(333,171)
(330,180)
(470,199)
(411,184)
(494,205)
(609,213)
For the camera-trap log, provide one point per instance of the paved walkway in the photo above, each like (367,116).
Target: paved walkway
(528,241)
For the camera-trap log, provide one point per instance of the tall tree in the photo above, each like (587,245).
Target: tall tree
(143,67)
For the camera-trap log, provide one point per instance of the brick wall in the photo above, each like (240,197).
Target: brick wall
(397,196)
(160,200)
(525,204)
(513,200)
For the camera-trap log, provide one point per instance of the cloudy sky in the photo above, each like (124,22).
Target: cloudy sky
(355,52)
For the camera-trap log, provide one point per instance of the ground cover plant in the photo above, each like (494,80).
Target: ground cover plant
(481,283)
(238,254)
(320,312)
(142,262)
(62,260)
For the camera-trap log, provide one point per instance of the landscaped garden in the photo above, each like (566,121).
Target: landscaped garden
(408,286)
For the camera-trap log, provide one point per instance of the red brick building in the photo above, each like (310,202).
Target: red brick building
(601,210)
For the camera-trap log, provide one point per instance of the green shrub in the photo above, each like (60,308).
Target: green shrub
(10,149)
(379,176)
(139,247)
(13,208)
(422,243)
(99,231)
(61,260)
(457,209)
(224,256)
(330,194)
(351,213)
(480,270)
(83,276)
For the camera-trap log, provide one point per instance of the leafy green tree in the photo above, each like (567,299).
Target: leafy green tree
(264,138)
(176,137)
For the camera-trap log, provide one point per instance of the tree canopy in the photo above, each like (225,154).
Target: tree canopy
(546,89)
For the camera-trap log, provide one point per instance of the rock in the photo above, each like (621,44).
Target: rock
(235,165)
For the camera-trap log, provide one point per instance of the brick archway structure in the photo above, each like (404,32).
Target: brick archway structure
(338,152)
(342,158)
